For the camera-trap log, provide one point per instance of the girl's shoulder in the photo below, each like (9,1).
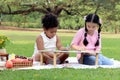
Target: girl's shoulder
(39,37)
(81,30)
(57,37)
(42,34)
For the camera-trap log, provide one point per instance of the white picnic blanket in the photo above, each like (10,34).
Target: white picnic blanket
(73,63)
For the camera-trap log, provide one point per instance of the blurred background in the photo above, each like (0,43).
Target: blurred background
(28,13)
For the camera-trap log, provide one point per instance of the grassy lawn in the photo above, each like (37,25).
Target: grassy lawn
(23,44)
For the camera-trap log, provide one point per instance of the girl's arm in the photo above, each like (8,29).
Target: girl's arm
(77,43)
(78,47)
(39,43)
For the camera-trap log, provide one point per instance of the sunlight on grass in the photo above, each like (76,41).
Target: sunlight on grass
(110,35)
(19,33)
(66,34)
(22,42)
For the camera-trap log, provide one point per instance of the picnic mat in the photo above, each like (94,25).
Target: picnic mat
(73,63)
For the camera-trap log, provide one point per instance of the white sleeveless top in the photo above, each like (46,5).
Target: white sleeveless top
(49,44)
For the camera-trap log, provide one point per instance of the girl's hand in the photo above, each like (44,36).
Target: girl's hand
(97,52)
(83,48)
(67,48)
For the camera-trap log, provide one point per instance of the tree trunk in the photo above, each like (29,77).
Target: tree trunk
(116,31)
(119,29)
(0,21)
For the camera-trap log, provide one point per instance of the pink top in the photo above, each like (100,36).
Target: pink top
(79,37)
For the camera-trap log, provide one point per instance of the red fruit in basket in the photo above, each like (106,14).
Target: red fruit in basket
(9,64)
(25,60)
(17,60)
(13,60)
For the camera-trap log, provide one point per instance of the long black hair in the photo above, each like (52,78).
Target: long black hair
(94,19)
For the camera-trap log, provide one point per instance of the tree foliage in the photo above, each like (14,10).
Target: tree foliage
(66,10)
(71,7)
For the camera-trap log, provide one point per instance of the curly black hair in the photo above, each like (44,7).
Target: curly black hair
(50,21)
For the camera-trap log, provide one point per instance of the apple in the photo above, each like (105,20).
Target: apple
(17,60)
(25,60)
(13,60)
(9,64)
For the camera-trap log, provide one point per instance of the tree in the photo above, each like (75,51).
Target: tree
(61,7)
(48,6)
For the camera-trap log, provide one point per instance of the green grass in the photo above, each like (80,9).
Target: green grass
(23,44)
(61,74)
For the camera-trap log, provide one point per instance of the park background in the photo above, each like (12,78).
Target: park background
(28,13)
(21,21)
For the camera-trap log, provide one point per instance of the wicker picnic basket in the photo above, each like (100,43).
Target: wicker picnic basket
(27,63)
(22,64)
